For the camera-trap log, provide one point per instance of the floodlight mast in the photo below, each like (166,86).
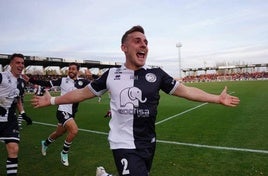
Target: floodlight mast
(179,45)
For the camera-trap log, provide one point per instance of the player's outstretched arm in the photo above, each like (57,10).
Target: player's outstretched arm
(74,96)
(195,94)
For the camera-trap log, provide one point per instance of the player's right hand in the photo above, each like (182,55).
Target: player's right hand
(41,101)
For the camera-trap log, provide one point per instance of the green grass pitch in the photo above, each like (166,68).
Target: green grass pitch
(194,139)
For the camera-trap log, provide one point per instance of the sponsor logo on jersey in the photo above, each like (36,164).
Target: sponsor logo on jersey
(133,96)
(135,111)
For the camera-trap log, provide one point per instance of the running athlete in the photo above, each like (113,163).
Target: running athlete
(134,90)
(9,96)
(65,113)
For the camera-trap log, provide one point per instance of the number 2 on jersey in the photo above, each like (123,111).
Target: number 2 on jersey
(125,164)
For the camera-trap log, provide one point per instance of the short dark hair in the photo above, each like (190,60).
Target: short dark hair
(137,28)
(76,64)
(16,55)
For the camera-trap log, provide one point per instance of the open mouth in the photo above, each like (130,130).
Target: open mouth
(72,75)
(141,54)
(19,70)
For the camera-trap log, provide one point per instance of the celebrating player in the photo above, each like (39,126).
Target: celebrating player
(65,113)
(134,90)
(10,92)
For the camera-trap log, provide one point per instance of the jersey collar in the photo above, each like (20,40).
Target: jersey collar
(145,67)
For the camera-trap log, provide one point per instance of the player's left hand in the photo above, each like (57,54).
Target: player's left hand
(227,99)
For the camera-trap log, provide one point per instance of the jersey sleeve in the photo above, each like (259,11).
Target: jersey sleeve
(85,82)
(56,82)
(40,82)
(98,86)
(168,83)
(81,83)
(21,86)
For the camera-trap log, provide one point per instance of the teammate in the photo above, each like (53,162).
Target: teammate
(20,105)
(65,113)
(9,96)
(134,90)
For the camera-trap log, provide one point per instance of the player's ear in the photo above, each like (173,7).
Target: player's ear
(123,48)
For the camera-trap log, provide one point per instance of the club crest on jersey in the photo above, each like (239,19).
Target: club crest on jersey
(150,77)
(80,83)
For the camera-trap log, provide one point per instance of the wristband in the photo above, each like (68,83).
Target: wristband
(22,112)
(52,100)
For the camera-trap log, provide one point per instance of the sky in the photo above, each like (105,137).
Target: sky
(211,32)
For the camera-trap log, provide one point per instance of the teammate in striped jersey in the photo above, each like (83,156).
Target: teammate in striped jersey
(65,113)
(9,97)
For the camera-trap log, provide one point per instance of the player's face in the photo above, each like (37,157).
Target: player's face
(17,66)
(136,49)
(72,72)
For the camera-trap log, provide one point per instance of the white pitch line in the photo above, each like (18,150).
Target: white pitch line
(80,129)
(214,147)
(188,110)
(205,146)
(174,142)
(161,121)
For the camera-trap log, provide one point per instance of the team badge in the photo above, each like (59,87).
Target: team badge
(150,77)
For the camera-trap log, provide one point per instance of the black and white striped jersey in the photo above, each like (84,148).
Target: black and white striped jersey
(9,92)
(134,100)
